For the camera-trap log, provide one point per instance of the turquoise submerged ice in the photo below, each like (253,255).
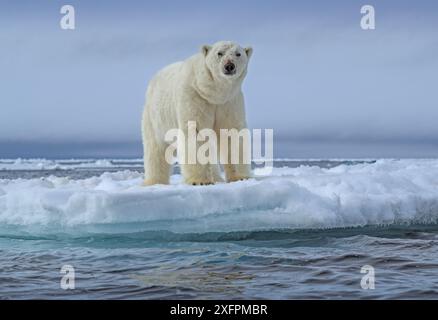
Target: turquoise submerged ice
(304,231)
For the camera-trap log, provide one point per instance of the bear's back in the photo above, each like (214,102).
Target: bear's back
(171,71)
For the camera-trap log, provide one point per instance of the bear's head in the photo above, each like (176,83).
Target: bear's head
(226,59)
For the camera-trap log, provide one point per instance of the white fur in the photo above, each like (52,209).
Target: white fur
(196,89)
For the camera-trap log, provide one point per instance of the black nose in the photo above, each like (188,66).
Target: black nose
(230,67)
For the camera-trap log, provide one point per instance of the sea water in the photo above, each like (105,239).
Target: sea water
(305,231)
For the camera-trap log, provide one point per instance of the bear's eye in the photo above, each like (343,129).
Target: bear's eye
(220,54)
(238,54)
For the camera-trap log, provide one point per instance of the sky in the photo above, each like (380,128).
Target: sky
(326,87)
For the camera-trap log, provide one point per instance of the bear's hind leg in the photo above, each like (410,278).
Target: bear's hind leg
(156,168)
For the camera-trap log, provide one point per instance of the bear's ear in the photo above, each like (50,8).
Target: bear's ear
(248,51)
(205,49)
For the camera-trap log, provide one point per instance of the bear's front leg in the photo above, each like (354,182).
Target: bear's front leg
(193,119)
(197,174)
(237,172)
(240,170)
(230,121)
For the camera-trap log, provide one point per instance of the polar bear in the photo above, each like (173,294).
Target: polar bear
(205,88)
